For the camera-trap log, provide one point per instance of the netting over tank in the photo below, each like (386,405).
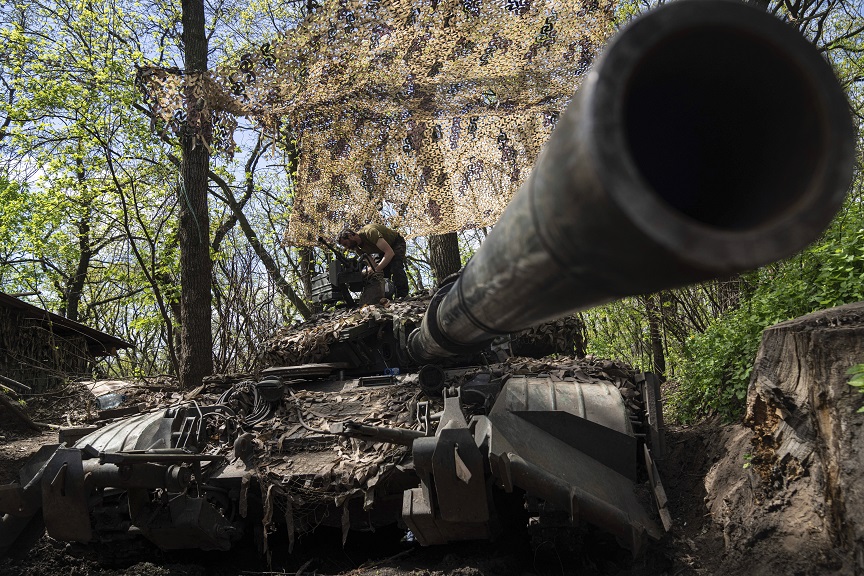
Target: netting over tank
(425,116)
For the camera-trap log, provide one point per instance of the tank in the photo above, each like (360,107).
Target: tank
(660,173)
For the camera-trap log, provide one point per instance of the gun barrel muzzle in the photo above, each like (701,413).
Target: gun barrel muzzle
(709,138)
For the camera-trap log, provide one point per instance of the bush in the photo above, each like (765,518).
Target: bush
(714,367)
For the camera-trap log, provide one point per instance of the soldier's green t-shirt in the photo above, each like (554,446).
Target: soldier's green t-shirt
(371,233)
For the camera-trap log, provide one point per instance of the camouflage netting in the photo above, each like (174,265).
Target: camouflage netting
(309,341)
(425,116)
(302,473)
(561,336)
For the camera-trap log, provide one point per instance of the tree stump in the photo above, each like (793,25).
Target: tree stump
(804,415)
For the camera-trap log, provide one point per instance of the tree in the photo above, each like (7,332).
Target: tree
(88,197)
(655,318)
(196,339)
(444,255)
(66,73)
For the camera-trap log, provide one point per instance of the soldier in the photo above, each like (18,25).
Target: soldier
(378,239)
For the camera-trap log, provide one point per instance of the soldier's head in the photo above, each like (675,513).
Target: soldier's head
(349,239)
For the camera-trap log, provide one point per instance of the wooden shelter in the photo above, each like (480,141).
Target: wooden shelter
(42,350)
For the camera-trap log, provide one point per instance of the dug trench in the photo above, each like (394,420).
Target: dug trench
(778,493)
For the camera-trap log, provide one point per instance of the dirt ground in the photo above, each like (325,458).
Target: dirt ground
(696,545)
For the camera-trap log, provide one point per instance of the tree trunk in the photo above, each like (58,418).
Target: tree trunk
(801,489)
(196,353)
(658,358)
(76,283)
(18,412)
(444,255)
(804,413)
(305,257)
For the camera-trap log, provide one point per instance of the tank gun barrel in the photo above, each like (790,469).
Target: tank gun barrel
(709,138)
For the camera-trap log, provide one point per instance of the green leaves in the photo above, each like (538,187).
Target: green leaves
(857,380)
(857,373)
(711,332)
(716,365)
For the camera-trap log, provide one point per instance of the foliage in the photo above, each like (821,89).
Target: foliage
(715,365)
(619,330)
(857,379)
(87,213)
(711,332)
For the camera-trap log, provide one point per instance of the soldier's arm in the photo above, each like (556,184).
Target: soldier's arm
(385,247)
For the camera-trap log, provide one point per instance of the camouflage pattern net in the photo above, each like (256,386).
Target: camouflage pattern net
(211,119)
(425,116)
(302,473)
(310,341)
